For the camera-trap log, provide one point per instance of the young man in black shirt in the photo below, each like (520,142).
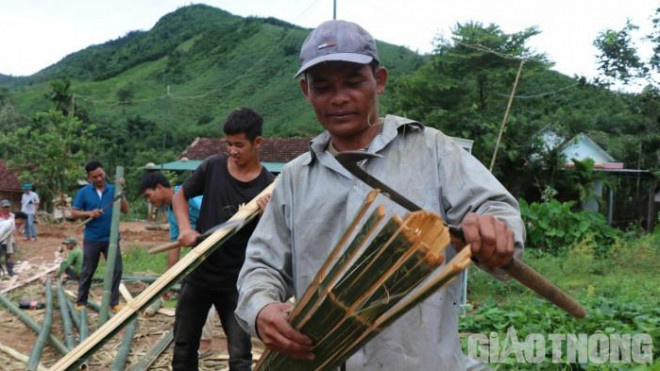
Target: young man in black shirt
(225,182)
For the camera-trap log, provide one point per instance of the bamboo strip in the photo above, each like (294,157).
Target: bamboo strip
(75,316)
(320,275)
(38,348)
(316,294)
(356,302)
(125,347)
(405,247)
(447,275)
(181,268)
(351,253)
(148,359)
(66,318)
(18,356)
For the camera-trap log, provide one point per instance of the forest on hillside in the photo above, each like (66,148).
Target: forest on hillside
(144,97)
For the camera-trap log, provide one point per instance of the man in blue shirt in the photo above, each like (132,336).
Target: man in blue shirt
(95,201)
(157,190)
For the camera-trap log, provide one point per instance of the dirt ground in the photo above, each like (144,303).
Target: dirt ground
(36,257)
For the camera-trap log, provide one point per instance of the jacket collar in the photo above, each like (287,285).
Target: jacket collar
(392,126)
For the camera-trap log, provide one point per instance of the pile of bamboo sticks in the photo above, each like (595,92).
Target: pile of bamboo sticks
(367,284)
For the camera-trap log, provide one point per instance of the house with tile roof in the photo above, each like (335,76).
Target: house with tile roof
(274,153)
(10,187)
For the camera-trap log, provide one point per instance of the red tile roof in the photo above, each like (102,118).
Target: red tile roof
(8,179)
(272,149)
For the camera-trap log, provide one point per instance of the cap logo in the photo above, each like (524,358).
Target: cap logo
(326,45)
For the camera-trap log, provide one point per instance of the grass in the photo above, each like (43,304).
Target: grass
(621,293)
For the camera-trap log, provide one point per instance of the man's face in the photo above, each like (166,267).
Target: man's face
(18,222)
(241,149)
(154,196)
(69,246)
(97,176)
(344,96)
(5,210)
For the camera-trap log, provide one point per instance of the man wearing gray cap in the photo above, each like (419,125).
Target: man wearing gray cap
(316,199)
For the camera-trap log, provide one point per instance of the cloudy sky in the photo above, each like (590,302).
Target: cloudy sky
(37,33)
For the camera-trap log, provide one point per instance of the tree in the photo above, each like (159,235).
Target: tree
(125,97)
(61,95)
(459,89)
(50,152)
(619,59)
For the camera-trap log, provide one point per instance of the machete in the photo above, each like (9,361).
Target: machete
(514,268)
(174,244)
(105,208)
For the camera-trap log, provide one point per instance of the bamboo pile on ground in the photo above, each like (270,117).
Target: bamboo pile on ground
(367,284)
(31,324)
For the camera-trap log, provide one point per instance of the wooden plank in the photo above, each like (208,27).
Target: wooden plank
(172,275)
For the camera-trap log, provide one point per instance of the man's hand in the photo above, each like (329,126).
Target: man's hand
(491,239)
(262,202)
(188,237)
(122,182)
(275,331)
(95,213)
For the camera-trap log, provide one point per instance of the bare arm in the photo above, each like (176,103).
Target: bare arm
(187,235)
(81,214)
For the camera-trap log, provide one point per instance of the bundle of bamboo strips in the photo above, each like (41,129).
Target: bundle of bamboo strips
(365,286)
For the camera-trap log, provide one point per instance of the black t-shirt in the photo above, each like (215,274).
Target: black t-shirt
(222,196)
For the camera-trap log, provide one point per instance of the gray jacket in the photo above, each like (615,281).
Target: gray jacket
(315,200)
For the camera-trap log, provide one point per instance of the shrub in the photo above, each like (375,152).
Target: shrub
(553,227)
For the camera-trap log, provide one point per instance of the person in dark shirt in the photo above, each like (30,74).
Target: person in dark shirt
(226,182)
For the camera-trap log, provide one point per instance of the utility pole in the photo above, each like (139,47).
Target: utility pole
(334,9)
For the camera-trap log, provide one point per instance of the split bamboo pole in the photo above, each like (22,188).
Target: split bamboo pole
(35,356)
(113,249)
(66,317)
(148,359)
(125,347)
(184,266)
(29,322)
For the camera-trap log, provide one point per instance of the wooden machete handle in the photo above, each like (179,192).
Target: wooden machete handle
(164,247)
(524,274)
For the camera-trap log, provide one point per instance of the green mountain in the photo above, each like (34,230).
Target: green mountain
(187,73)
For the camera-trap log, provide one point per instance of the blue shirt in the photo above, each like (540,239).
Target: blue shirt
(88,199)
(194,204)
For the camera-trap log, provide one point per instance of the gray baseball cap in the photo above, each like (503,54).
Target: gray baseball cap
(5,203)
(337,41)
